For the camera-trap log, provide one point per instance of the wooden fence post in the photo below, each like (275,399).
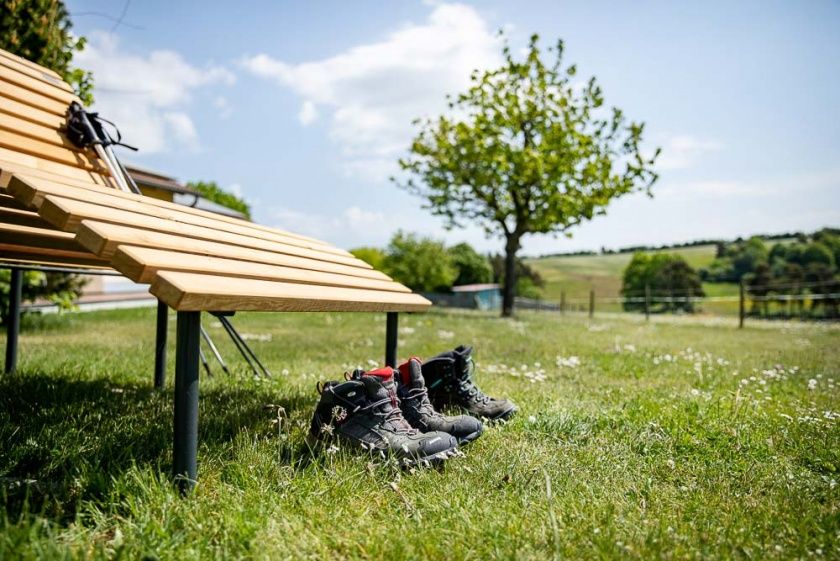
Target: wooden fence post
(591,304)
(647,302)
(741,307)
(562,301)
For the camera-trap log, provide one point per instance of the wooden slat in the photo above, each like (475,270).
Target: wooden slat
(12,159)
(34,255)
(25,62)
(66,214)
(193,292)
(36,131)
(34,192)
(9,201)
(109,207)
(28,97)
(50,171)
(63,155)
(22,218)
(141,264)
(103,239)
(53,90)
(39,116)
(45,238)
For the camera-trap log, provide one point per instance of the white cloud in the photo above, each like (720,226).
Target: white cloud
(683,151)
(353,227)
(147,96)
(372,92)
(221,103)
(308,113)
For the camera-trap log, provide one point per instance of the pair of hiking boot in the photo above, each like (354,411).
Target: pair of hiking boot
(389,410)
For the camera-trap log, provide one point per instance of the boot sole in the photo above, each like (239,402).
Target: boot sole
(315,443)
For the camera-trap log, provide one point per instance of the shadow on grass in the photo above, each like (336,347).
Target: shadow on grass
(64,440)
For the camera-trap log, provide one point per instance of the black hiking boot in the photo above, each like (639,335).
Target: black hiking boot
(418,410)
(449,378)
(365,412)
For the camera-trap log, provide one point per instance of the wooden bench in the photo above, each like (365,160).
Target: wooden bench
(59,205)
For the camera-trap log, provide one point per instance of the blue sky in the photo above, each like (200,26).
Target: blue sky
(304,107)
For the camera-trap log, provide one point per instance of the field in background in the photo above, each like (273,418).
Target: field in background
(578,274)
(679,438)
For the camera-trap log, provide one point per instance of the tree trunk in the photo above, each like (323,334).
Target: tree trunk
(509,288)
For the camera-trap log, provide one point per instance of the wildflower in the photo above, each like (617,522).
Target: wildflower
(332,449)
(339,413)
(443,334)
(263,337)
(812,384)
(532,419)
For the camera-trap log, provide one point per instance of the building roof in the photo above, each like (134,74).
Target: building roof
(154,179)
(475,287)
(184,194)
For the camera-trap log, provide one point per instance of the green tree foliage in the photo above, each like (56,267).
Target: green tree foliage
(40,31)
(211,191)
(422,264)
(59,288)
(373,256)
(472,267)
(736,259)
(525,150)
(667,276)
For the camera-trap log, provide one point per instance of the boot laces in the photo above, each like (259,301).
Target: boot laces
(392,416)
(421,397)
(467,388)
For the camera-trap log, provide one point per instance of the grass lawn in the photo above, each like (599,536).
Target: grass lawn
(675,439)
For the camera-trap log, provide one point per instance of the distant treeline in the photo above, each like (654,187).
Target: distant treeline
(695,243)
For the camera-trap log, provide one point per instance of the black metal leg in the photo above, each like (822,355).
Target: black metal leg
(186,400)
(160,344)
(13,319)
(391,340)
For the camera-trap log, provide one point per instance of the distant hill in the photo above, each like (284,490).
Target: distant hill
(578,274)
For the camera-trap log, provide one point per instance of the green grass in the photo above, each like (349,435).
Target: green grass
(722,452)
(576,275)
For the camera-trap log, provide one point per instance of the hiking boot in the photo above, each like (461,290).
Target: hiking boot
(418,410)
(449,378)
(365,412)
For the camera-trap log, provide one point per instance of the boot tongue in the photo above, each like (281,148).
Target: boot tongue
(463,355)
(411,374)
(379,384)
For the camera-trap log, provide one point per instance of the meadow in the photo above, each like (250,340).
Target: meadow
(672,439)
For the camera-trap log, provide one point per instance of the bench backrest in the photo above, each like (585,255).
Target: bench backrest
(59,204)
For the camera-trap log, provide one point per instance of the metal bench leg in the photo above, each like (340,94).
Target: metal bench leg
(160,345)
(186,400)
(391,340)
(13,319)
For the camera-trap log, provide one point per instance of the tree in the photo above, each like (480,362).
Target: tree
(211,191)
(667,276)
(525,150)
(419,263)
(472,267)
(373,256)
(40,31)
(528,280)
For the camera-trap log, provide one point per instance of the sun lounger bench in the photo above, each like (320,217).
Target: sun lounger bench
(59,206)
